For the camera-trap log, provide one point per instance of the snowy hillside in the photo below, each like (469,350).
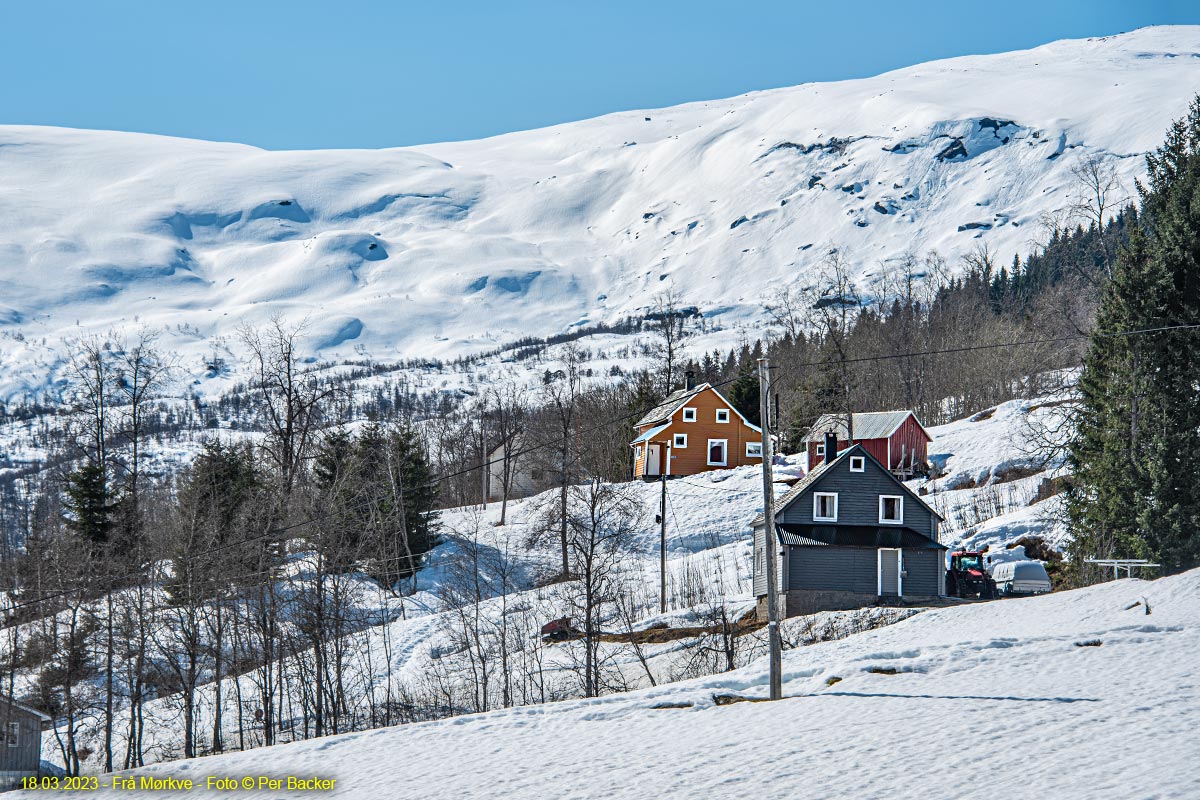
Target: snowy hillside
(448,249)
(411,645)
(1088,693)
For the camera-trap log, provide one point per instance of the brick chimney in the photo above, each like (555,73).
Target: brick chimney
(830,446)
(689,379)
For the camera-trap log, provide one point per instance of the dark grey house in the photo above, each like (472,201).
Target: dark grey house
(850,535)
(20,742)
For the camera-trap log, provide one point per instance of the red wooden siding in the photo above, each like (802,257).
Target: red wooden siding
(907,439)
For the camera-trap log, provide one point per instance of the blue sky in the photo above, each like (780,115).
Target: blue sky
(363,73)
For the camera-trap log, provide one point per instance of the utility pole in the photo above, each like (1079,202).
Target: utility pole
(771,543)
(662,548)
(483,458)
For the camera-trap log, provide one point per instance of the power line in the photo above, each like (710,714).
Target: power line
(276,531)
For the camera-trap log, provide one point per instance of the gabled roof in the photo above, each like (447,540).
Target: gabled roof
(675,400)
(867,425)
(8,701)
(664,410)
(784,500)
(815,475)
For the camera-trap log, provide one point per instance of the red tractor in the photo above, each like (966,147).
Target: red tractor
(559,630)
(968,577)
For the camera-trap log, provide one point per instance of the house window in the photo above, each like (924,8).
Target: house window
(689,415)
(825,507)
(722,415)
(717,452)
(753,449)
(891,509)
(820,449)
(680,441)
(14,734)
(858,463)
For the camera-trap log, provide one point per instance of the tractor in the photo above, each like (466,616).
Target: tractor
(968,577)
(559,630)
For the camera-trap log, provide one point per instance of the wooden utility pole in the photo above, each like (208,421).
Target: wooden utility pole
(662,548)
(771,543)
(484,466)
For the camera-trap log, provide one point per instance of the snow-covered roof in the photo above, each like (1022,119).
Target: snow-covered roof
(867,425)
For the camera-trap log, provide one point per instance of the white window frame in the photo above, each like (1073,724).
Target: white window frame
(689,414)
(820,449)
(758,448)
(724,452)
(861,461)
(14,734)
(724,411)
(679,441)
(899,498)
(816,504)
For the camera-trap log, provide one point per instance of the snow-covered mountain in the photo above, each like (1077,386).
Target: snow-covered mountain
(450,248)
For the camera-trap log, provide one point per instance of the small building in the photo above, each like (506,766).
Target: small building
(525,478)
(694,430)
(20,742)
(896,439)
(851,535)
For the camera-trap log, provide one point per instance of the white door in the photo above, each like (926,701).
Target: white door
(652,459)
(889,573)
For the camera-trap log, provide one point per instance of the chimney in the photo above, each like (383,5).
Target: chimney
(689,379)
(830,446)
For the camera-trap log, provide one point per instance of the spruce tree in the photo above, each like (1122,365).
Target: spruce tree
(90,505)
(743,395)
(1136,455)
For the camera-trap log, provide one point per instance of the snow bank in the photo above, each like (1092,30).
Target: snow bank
(1075,695)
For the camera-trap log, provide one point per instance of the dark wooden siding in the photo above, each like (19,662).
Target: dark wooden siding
(845,569)
(26,756)
(858,498)
(760,579)
(922,568)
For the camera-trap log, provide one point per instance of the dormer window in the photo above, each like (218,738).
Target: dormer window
(825,507)
(689,415)
(858,463)
(891,509)
(722,415)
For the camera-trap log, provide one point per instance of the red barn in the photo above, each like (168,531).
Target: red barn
(896,439)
